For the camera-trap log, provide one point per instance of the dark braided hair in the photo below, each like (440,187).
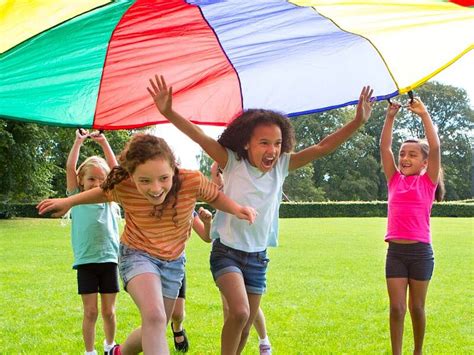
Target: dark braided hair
(237,135)
(425,151)
(141,148)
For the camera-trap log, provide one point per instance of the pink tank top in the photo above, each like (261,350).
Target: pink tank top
(410,199)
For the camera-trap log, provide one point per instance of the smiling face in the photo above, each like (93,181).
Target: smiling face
(154,180)
(411,160)
(93,177)
(264,146)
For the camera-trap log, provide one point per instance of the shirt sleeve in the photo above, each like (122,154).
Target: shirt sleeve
(208,191)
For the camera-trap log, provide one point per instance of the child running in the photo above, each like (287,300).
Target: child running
(412,187)
(94,236)
(255,152)
(264,345)
(158,199)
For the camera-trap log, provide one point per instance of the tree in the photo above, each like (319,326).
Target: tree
(299,185)
(36,159)
(26,169)
(349,173)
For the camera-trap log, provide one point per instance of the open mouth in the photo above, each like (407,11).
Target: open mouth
(156,196)
(267,162)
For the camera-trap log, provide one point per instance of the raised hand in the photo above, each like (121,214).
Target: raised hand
(81,134)
(417,106)
(98,136)
(365,104)
(393,109)
(161,94)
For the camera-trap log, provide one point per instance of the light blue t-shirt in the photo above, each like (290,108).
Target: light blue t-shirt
(94,233)
(248,186)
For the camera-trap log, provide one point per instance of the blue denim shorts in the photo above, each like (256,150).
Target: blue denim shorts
(413,261)
(133,262)
(252,266)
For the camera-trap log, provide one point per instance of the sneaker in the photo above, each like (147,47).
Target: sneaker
(265,349)
(114,351)
(108,347)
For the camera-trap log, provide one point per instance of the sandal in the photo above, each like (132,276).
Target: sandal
(182,346)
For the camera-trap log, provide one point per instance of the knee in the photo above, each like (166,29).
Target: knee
(91,313)
(153,317)
(239,315)
(398,310)
(417,310)
(108,313)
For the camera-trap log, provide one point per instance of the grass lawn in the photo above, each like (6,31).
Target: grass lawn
(326,291)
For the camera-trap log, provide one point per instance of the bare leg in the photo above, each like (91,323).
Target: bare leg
(254,302)
(397,292)
(259,324)
(416,305)
(145,290)
(233,289)
(89,302)
(177,317)
(108,315)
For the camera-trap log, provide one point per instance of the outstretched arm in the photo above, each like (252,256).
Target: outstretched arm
(434,157)
(162,96)
(71,164)
(202,224)
(225,204)
(59,206)
(108,152)
(334,140)
(386,154)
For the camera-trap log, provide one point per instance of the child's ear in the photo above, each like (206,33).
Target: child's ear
(246,147)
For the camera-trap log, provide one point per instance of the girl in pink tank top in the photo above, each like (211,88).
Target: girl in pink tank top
(411,190)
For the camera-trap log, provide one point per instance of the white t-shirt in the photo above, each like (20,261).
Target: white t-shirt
(248,186)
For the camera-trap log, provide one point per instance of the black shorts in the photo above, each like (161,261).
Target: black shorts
(97,277)
(182,290)
(412,261)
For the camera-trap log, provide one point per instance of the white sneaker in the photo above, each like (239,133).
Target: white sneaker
(265,349)
(108,347)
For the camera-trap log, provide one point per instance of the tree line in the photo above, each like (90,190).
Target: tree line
(33,157)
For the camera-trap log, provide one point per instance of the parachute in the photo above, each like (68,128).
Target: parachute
(87,63)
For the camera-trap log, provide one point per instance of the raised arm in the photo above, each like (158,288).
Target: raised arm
(108,152)
(225,204)
(386,155)
(163,98)
(59,206)
(202,224)
(434,157)
(334,140)
(73,157)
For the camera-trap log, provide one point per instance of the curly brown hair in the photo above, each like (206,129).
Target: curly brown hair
(425,151)
(237,135)
(141,148)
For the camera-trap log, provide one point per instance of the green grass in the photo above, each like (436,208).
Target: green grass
(326,291)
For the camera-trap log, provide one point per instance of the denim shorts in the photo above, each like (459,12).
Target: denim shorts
(413,261)
(133,262)
(252,266)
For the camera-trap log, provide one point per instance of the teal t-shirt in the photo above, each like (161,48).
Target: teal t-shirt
(248,186)
(94,233)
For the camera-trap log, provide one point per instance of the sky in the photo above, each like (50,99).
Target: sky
(459,74)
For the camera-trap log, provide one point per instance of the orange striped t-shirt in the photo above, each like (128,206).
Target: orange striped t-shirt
(162,237)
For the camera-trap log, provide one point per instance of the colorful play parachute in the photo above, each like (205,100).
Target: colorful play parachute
(86,63)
